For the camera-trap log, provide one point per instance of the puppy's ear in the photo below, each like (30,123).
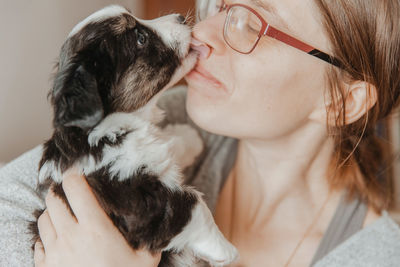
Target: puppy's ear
(76,99)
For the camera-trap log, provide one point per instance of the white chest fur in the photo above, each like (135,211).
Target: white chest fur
(161,152)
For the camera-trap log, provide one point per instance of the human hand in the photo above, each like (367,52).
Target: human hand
(89,240)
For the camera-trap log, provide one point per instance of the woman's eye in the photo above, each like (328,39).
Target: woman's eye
(141,38)
(252,29)
(253,25)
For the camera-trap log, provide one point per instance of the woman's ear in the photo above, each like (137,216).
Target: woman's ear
(360,97)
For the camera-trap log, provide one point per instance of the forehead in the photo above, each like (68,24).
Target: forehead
(101,15)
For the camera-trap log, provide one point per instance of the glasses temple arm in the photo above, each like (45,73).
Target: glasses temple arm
(287,39)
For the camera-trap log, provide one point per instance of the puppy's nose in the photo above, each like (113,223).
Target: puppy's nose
(181,19)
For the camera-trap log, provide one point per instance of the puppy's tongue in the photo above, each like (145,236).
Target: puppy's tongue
(202,48)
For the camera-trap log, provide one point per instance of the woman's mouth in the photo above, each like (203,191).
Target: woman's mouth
(199,77)
(200,74)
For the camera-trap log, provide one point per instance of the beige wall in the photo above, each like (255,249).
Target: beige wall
(31,34)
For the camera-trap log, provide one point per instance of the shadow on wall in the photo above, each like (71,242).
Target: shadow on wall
(32,33)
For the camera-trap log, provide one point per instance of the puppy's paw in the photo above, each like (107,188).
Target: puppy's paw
(206,240)
(111,136)
(110,130)
(217,251)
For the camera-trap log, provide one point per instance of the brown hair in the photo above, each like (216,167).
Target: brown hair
(365,37)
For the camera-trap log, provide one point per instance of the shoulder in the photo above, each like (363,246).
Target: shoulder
(24,167)
(378,244)
(19,183)
(18,199)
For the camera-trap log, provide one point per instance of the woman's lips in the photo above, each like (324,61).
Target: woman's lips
(205,83)
(199,75)
(206,75)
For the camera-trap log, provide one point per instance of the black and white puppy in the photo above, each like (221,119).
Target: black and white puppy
(112,69)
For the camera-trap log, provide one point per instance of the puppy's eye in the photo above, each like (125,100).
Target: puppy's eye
(141,38)
(92,64)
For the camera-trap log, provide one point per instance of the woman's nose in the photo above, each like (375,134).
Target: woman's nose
(208,32)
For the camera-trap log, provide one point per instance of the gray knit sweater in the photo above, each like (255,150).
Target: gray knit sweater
(377,245)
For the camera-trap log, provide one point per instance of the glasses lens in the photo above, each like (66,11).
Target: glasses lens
(242,28)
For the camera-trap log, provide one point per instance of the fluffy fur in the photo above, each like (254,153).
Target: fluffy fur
(112,69)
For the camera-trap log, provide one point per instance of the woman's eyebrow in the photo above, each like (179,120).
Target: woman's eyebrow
(272,10)
(265,5)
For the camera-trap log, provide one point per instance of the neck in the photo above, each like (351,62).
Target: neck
(289,174)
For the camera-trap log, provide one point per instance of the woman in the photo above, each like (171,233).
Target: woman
(294,182)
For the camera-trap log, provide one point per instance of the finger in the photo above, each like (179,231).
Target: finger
(59,214)
(46,229)
(82,200)
(38,254)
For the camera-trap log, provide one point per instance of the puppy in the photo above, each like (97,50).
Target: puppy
(112,69)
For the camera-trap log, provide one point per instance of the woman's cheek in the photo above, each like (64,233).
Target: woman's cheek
(255,113)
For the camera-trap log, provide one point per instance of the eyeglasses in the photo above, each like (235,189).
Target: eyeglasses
(244,27)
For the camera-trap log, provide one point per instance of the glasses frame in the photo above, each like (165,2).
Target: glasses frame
(268,30)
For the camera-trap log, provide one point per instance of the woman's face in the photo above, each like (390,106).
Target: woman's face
(268,93)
